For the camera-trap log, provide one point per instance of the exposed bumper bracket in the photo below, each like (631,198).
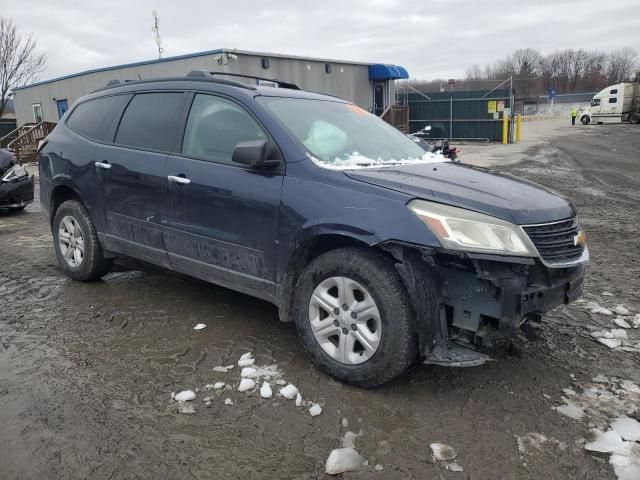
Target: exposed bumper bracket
(448,354)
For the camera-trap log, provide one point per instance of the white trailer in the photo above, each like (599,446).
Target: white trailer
(615,104)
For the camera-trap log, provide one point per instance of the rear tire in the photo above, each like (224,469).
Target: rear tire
(635,118)
(585,120)
(76,243)
(383,317)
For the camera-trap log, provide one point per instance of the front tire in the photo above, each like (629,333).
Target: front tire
(76,243)
(354,316)
(585,120)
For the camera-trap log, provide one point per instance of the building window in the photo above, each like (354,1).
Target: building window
(265,63)
(37,112)
(327,68)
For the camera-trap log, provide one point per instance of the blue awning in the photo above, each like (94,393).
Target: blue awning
(381,71)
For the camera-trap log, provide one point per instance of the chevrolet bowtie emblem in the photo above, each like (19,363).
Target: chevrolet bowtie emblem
(580,239)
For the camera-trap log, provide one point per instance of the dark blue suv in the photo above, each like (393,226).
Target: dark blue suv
(379,252)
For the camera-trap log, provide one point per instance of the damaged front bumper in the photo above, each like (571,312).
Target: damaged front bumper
(464,303)
(16,194)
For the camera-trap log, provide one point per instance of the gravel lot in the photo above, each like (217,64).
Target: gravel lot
(87,370)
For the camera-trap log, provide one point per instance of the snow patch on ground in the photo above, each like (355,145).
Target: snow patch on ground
(315,410)
(246,384)
(265,390)
(445,455)
(609,405)
(199,326)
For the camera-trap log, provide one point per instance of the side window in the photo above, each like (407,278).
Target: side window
(613,100)
(149,121)
(215,126)
(93,119)
(613,92)
(595,102)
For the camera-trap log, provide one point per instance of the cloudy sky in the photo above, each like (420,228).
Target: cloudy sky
(431,38)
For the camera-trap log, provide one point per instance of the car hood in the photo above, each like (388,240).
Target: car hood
(473,188)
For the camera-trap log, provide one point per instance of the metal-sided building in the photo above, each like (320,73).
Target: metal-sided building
(371,86)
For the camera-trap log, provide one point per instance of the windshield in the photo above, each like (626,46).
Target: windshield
(342,135)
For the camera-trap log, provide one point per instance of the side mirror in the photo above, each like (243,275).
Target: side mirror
(253,154)
(427,128)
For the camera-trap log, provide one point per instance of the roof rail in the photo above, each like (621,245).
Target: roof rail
(111,83)
(205,74)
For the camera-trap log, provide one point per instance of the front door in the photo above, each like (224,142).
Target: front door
(378,98)
(222,217)
(133,175)
(62,107)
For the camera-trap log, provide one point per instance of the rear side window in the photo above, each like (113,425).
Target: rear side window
(149,121)
(93,119)
(216,126)
(613,100)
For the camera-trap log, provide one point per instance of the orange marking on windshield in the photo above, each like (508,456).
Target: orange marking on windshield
(357,109)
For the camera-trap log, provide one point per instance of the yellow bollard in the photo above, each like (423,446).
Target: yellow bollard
(505,129)
(518,127)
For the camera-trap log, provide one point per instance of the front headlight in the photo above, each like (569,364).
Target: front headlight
(461,229)
(15,173)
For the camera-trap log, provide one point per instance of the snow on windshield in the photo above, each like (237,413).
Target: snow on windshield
(356,161)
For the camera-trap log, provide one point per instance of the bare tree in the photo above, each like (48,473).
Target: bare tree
(621,65)
(474,73)
(20,63)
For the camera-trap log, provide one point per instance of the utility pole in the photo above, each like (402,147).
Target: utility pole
(156,29)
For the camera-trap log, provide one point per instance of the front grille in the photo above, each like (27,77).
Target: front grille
(555,241)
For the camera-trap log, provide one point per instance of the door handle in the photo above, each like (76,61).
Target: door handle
(104,164)
(178,179)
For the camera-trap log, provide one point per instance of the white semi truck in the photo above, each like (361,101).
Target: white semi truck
(615,104)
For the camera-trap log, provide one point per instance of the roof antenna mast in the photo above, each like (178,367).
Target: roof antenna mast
(156,29)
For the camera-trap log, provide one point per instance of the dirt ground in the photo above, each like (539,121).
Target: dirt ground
(87,369)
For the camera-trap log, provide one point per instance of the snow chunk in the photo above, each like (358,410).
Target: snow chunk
(289,391)
(281,382)
(343,460)
(265,390)
(610,342)
(593,307)
(228,401)
(246,360)
(455,467)
(298,399)
(607,294)
(606,442)
(345,423)
(315,410)
(570,409)
(220,369)
(349,439)
(378,467)
(621,310)
(627,428)
(199,326)
(621,322)
(246,384)
(636,321)
(173,395)
(185,396)
(218,385)
(248,372)
(442,452)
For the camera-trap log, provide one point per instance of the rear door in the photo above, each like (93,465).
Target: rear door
(222,217)
(134,176)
